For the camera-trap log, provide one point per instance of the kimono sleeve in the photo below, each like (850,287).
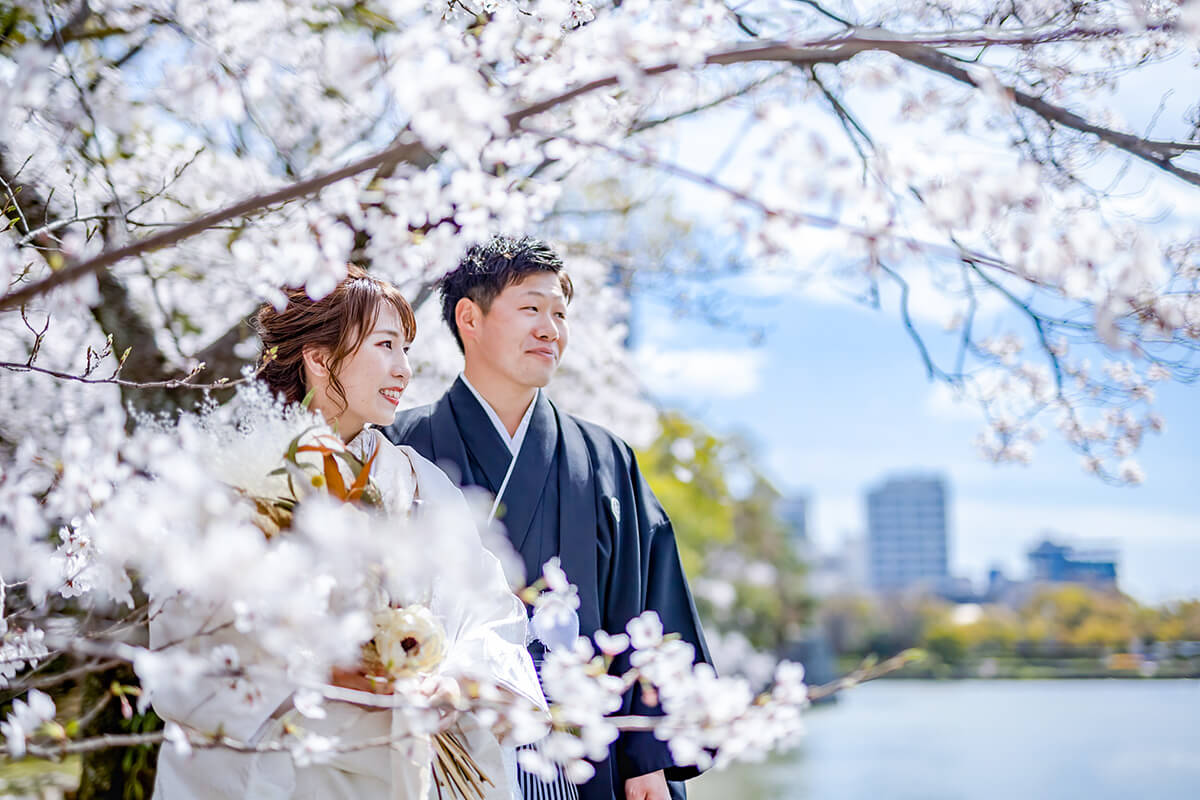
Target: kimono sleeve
(648,558)
(485,622)
(240,707)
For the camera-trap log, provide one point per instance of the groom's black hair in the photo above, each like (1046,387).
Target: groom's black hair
(487,269)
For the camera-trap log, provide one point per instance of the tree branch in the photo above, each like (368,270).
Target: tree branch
(1158,153)
(799,217)
(401,151)
(174,383)
(827,51)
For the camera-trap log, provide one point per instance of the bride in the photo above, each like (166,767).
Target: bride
(348,353)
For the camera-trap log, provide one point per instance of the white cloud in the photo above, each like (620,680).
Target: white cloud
(734,372)
(944,403)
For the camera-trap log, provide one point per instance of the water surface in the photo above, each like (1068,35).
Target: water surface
(986,740)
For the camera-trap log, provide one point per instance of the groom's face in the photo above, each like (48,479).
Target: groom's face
(523,335)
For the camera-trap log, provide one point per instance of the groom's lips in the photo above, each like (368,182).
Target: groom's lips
(544,352)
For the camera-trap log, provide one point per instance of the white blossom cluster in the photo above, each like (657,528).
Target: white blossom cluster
(960,154)
(19,649)
(201,115)
(305,600)
(706,720)
(26,717)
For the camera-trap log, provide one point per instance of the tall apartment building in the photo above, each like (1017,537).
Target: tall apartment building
(906,534)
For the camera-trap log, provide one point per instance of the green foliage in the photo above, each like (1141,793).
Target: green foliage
(1177,622)
(948,642)
(138,763)
(1057,622)
(1080,617)
(729,535)
(684,468)
(123,773)
(11,33)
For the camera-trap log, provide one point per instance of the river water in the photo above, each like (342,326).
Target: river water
(986,740)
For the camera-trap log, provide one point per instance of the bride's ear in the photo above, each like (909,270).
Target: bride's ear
(316,361)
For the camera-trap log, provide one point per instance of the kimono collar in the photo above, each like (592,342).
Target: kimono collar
(515,441)
(479,437)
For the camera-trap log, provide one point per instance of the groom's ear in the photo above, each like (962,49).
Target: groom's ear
(467,316)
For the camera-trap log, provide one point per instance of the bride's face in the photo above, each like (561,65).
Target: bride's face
(373,377)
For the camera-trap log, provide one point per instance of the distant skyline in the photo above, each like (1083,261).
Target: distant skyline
(837,400)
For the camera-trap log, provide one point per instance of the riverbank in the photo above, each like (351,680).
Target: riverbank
(1121,666)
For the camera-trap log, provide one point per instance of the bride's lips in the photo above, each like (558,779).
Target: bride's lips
(392,394)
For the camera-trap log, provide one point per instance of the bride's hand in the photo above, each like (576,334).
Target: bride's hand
(360,680)
(444,694)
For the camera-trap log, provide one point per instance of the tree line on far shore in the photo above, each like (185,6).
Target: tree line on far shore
(1059,627)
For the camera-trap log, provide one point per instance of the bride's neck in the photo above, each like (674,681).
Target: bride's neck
(346,430)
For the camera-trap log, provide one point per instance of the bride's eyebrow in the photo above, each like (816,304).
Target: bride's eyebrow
(388,332)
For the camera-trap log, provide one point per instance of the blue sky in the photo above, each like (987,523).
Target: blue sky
(836,395)
(836,399)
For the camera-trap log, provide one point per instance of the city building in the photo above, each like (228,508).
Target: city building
(906,534)
(1051,562)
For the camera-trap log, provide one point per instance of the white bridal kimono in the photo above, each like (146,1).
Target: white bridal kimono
(485,636)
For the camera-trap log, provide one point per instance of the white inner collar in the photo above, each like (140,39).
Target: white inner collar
(514,441)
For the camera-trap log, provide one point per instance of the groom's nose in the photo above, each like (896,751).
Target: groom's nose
(546,330)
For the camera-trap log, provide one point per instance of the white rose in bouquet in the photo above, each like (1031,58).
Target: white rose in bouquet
(408,641)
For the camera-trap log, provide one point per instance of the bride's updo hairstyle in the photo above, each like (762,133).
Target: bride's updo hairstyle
(338,323)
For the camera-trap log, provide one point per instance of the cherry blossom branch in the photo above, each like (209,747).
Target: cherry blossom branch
(67,675)
(867,671)
(1158,153)
(932,370)
(844,48)
(1000,37)
(186,382)
(799,217)
(628,723)
(401,151)
(731,95)
(12,199)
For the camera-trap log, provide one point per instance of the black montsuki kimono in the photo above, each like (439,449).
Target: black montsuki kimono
(575,492)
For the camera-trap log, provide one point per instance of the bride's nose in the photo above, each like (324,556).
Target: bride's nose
(401,368)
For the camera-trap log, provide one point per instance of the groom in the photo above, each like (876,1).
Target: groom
(566,487)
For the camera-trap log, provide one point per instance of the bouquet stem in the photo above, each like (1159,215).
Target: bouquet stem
(454,768)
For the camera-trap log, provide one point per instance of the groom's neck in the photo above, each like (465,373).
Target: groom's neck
(509,400)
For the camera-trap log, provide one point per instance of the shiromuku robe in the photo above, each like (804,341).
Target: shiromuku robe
(575,492)
(485,636)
